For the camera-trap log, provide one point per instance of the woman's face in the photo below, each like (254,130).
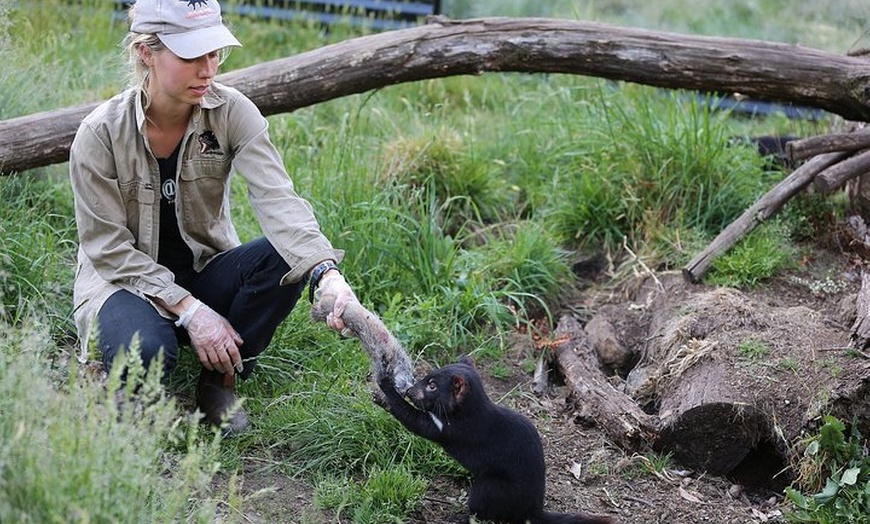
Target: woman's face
(177,81)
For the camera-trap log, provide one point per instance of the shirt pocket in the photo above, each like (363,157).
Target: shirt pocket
(139,201)
(205,179)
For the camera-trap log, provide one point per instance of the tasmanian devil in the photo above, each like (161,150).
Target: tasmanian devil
(500,447)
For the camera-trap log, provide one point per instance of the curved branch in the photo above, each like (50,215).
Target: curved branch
(762,70)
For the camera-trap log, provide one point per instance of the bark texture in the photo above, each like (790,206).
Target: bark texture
(386,353)
(721,382)
(763,70)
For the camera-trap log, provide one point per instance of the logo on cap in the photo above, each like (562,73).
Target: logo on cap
(194,3)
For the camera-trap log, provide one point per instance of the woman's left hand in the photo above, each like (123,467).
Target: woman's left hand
(333,283)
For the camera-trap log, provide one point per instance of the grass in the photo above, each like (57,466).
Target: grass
(78,452)
(753,350)
(649,463)
(36,239)
(460,202)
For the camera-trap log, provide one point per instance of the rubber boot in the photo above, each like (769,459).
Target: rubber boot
(216,399)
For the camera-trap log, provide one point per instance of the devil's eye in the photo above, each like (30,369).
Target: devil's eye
(432,386)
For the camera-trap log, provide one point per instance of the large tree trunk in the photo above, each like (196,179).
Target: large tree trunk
(763,70)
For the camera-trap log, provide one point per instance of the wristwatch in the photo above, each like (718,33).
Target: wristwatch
(316,274)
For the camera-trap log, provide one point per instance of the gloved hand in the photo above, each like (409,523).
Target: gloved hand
(213,338)
(333,283)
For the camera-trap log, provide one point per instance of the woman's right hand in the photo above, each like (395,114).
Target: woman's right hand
(215,341)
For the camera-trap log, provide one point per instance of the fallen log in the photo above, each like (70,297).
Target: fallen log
(709,419)
(804,148)
(728,385)
(761,70)
(598,401)
(385,352)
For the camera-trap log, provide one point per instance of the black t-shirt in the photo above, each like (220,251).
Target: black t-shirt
(173,252)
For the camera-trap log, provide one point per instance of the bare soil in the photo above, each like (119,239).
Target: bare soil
(586,471)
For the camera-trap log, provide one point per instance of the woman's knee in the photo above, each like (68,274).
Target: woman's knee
(126,322)
(150,349)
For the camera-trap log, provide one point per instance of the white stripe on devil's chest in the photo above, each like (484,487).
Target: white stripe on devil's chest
(436,420)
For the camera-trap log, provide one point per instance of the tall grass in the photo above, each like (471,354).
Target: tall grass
(82,453)
(36,242)
(647,163)
(460,203)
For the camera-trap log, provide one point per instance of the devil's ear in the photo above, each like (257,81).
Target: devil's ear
(460,388)
(467,360)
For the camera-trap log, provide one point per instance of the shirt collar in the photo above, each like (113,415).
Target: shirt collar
(211,100)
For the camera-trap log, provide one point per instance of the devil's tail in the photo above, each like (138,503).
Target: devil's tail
(565,518)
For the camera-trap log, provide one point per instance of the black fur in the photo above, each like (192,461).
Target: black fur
(500,447)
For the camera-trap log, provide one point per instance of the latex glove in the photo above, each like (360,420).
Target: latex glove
(213,338)
(333,283)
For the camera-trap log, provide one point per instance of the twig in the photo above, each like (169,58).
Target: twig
(639,500)
(642,264)
(847,348)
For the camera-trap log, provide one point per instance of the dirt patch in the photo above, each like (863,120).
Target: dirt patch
(587,472)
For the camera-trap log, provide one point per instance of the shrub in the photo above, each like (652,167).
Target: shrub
(837,467)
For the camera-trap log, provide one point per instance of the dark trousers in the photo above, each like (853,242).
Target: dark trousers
(240,284)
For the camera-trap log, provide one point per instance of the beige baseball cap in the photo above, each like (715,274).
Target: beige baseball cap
(189,28)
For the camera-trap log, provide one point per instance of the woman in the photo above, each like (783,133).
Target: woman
(159,259)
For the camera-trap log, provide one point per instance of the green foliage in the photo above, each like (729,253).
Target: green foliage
(36,252)
(385,496)
(88,454)
(811,216)
(650,163)
(840,28)
(753,349)
(837,467)
(758,256)
(461,184)
(75,58)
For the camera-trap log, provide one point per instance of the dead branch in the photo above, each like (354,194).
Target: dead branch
(623,420)
(835,176)
(764,208)
(816,145)
(386,353)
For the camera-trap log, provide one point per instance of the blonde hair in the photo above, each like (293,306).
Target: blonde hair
(139,73)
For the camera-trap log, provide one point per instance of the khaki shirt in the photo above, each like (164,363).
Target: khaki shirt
(116,182)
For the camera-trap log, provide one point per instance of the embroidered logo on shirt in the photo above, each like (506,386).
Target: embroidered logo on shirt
(208,144)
